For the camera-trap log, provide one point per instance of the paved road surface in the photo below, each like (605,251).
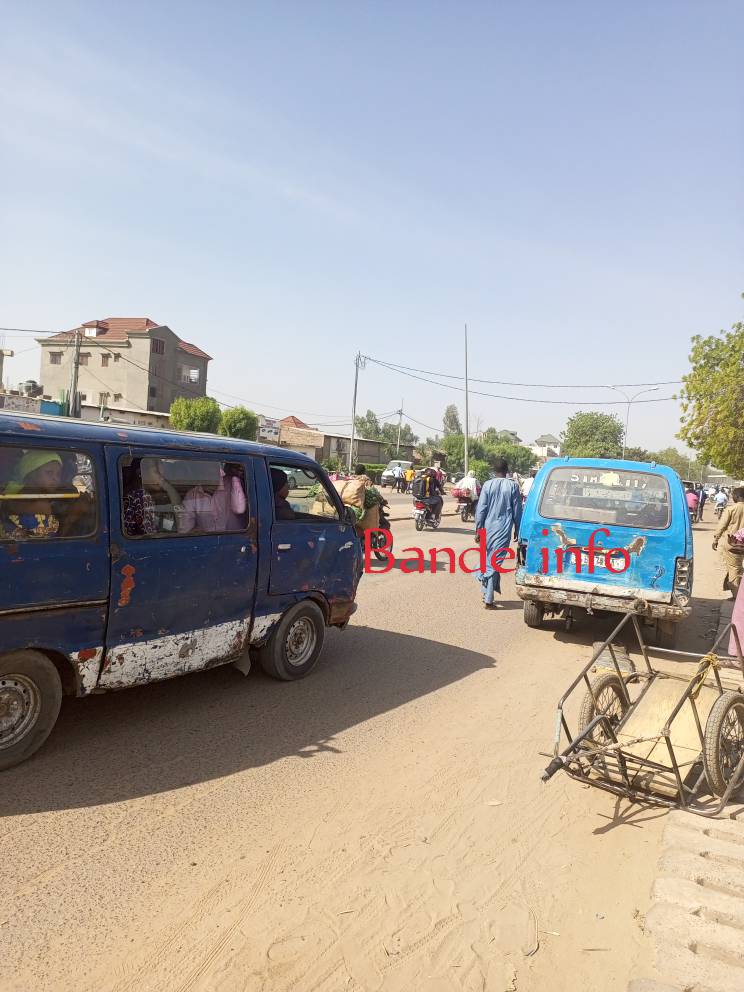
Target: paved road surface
(381,825)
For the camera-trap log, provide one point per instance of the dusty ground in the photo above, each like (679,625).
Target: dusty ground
(381,825)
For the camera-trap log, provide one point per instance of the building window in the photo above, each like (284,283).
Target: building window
(84,356)
(117,356)
(55,357)
(105,360)
(83,397)
(158,346)
(117,397)
(189,375)
(153,391)
(103,399)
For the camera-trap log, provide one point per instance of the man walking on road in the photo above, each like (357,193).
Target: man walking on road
(499,512)
(731,522)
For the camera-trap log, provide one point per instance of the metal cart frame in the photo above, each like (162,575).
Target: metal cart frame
(609,765)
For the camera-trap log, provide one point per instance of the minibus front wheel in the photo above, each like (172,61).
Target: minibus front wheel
(30,698)
(295,645)
(533,613)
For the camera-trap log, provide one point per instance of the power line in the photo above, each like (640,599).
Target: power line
(513,399)
(526,385)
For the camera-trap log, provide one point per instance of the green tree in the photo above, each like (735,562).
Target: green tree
(713,400)
(518,457)
(686,468)
(481,469)
(451,421)
(202,415)
(368,426)
(637,455)
(493,436)
(453,445)
(593,435)
(239,422)
(389,434)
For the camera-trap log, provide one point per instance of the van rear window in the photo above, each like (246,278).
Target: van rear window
(607,496)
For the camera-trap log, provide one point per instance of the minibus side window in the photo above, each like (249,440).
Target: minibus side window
(174,497)
(300,494)
(46,493)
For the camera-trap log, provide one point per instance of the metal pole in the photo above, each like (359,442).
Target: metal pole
(72,410)
(467,409)
(400,424)
(357,363)
(625,435)
(4,353)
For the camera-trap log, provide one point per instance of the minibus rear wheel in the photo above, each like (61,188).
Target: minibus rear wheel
(295,645)
(30,698)
(533,613)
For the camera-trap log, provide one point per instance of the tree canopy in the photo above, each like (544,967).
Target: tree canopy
(518,458)
(202,415)
(370,427)
(239,422)
(713,400)
(593,435)
(451,421)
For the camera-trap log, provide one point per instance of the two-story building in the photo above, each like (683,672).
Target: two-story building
(125,363)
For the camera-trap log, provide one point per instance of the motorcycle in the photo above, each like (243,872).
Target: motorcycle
(376,539)
(466,504)
(720,507)
(422,514)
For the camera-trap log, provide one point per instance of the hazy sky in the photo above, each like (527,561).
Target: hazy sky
(287,183)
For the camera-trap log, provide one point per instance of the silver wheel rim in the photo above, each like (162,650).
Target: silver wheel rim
(20,706)
(732,741)
(301,641)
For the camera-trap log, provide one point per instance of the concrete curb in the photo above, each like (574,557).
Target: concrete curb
(697,914)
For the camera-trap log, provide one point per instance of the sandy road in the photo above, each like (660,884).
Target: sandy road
(380,825)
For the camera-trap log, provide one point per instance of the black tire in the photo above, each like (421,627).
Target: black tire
(610,695)
(723,745)
(667,634)
(533,613)
(380,539)
(464,514)
(419,523)
(30,698)
(434,522)
(285,644)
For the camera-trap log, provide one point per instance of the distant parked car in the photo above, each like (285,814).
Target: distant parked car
(388,478)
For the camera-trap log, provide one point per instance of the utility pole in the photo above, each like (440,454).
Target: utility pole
(72,406)
(359,363)
(400,424)
(466,400)
(4,353)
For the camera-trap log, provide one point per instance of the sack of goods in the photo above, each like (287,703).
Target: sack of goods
(351,492)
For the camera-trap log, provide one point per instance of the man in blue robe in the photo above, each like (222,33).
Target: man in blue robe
(499,512)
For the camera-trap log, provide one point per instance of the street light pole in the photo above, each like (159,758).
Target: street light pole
(467,410)
(629,400)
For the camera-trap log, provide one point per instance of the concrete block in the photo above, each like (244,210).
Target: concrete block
(694,951)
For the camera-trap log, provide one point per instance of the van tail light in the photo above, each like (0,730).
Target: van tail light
(683,581)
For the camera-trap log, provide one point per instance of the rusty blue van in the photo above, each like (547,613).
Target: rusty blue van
(129,555)
(608,535)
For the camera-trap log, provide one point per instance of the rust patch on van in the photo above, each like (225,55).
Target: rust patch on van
(87,654)
(26,426)
(127,584)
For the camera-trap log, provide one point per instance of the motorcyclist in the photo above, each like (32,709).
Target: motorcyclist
(720,499)
(430,490)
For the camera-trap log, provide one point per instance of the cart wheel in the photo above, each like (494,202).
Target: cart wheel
(533,613)
(608,691)
(724,741)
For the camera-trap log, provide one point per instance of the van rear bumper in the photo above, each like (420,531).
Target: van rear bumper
(596,601)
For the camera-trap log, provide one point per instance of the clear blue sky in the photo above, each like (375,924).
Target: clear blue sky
(285,183)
